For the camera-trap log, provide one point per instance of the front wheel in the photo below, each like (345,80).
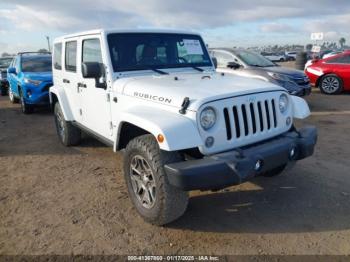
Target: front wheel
(155,199)
(68,134)
(12,97)
(331,84)
(26,108)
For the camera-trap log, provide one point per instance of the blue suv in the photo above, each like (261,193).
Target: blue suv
(30,77)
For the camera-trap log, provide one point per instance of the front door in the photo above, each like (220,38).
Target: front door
(95,101)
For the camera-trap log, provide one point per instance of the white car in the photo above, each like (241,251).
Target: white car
(274,57)
(155,95)
(291,54)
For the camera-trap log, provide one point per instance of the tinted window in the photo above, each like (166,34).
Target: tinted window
(254,59)
(142,51)
(343,59)
(57,58)
(92,51)
(71,56)
(38,63)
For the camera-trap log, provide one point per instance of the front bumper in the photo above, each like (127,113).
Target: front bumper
(237,166)
(37,95)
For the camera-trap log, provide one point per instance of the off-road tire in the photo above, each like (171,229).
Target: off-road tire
(328,77)
(274,172)
(170,202)
(26,109)
(70,135)
(12,97)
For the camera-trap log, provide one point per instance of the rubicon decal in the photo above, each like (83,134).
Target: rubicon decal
(153,97)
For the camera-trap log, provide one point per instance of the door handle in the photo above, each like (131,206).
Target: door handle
(82,85)
(66,81)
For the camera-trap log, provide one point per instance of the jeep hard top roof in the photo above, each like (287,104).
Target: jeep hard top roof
(110,31)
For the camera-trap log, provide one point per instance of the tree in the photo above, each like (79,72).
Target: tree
(342,42)
(43,50)
(5,54)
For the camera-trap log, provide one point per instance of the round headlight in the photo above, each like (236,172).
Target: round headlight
(283,103)
(207,118)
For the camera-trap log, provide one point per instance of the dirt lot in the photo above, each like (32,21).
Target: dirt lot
(57,200)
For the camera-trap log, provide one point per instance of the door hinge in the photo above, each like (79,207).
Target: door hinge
(80,111)
(110,125)
(108,97)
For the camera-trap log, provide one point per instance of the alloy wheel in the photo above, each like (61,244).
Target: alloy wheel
(142,181)
(330,84)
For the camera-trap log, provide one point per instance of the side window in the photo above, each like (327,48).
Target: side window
(223,58)
(92,51)
(71,56)
(347,59)
(57,58)
(344,59)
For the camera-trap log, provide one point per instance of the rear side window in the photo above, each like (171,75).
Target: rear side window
(71,56)
(92,51)
(57,58)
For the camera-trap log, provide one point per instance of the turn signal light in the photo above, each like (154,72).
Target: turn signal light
(160,138)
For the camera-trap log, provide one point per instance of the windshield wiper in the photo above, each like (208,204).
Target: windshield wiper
(197,68)
(157,70)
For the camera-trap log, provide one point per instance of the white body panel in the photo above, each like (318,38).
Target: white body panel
(152,102)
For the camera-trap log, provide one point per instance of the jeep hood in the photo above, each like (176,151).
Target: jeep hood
(198,87)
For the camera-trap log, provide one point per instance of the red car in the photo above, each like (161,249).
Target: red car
(331,75)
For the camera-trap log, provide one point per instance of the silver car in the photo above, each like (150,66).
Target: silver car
(250,64)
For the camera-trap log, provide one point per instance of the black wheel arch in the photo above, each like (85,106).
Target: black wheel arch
(127,132)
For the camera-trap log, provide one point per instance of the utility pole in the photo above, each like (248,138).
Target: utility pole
(48,43)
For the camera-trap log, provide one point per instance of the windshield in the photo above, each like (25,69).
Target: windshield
(254,59)
(36,63)
(142,51)
(5,62)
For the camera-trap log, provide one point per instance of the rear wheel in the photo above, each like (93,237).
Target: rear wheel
(26,108)
(331,84)
(154,198)
(68,134)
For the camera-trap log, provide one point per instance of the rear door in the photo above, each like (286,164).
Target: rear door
(69,78)
(95,101)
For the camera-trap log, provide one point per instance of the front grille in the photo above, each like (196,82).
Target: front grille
(250,118)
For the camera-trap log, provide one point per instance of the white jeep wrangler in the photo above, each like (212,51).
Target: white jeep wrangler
(182,126)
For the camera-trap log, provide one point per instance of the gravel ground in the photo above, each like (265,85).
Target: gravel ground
(57,200)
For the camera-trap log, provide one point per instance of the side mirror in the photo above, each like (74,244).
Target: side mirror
(12,70)
(94,70)
(215,62)
(233,65)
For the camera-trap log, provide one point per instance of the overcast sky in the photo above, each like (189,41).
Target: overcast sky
(25,23)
